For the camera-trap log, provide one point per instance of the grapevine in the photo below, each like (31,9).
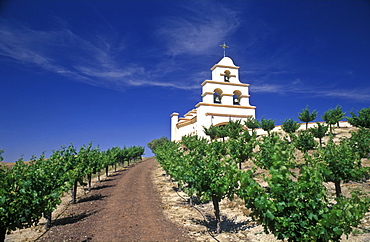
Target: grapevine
(31,191)
(295,206)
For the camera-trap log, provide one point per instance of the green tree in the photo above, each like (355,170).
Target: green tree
(360,141)
(222,132)
(215,175)
(83,167)
(319,131)
(330,119)
(49,175)
(168,154)
(135,153)
(233,129)
(94,164)
(307,116)
(360,120)
(342,163)
(67,158)
(157,142)
(296,208)
(338,114)
(139,152)
(21,197)
(290,126)
(106,161)
(333,116)
(241,147)
(273,146)
(123,156)
(252,124)
(267,125)
(211,132)
(30,191)
(204,166)
(190,162)
(76,166)
(240,142)
(216,132)
(305,141)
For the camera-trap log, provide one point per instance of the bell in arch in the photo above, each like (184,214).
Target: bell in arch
(217,99)
(236,100)
(227,76)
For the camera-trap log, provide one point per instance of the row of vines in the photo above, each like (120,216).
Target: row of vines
(29,191)
(294,205)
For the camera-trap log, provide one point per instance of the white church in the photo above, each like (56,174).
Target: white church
(224,98)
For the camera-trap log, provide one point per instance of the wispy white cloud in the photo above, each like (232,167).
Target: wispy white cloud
(95,61)
(268,88)
(354,94)
(162,84)
(107,72)
(201,29)
(100,61)
(305,88)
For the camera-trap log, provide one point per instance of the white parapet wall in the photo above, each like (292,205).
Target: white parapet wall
(342,124)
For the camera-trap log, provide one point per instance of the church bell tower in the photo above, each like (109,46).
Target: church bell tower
(224,98)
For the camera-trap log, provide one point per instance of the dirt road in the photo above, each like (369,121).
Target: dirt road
(124,207)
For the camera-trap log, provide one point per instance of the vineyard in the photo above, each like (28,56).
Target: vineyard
(279,177)
(281,180)
(31,191)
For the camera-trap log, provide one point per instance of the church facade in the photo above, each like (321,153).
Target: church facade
(224,98)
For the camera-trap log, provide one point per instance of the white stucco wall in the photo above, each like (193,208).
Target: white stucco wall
(228,91)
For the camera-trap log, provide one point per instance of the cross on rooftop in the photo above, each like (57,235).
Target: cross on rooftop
(224,46)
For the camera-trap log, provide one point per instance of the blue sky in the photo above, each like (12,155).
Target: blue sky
(112,72)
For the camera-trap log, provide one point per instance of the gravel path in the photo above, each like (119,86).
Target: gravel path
(124,207)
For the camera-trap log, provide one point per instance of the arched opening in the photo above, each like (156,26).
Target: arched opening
(221,124)
(217,95)
(236,97)
(227,76)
